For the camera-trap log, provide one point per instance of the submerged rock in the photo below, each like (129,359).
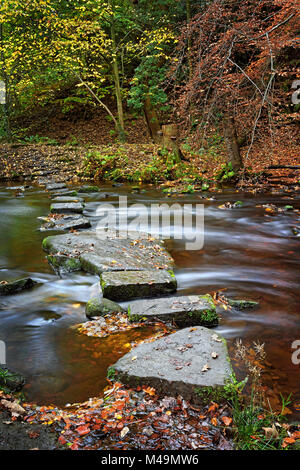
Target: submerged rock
(242,304)
(193,363)
(60,208)
(125,285)
(13,287)
(97,255)
(184,310)
(99,306)
(55,186)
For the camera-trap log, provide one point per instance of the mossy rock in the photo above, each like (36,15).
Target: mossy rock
(13,287)
(243,304)
(89,189)
(184,310)
(61,263)
(98,307)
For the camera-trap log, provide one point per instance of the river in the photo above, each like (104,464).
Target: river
(247,253)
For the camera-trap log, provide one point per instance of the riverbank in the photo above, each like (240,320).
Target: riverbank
(148,164)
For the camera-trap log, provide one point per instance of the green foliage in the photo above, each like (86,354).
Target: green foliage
(226,173)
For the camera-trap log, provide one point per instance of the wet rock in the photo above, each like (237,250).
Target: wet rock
(180,364)
(184,311)
(98,255)
(73,207)
(125,285)
(89,189)
(67,199)
(11,380)
(55,186)
(99,306)
(64,264)
(66,223)
(65,192)
(242,304)
(13,287)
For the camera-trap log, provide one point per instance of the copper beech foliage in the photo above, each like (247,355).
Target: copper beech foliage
(237,57)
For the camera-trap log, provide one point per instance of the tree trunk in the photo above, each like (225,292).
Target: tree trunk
(171,141)
(152,121)
(116,74)
(231,140)
(189,41)
(5,79)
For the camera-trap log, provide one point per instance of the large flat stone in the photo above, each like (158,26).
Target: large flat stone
(125,285)
(98,255)
(184,310)
(64,199)
(55,186)
(180,364)
(72,207)
(66,223)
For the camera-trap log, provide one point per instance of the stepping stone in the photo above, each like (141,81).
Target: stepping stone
(242,304)
(89,189)
(67,199)
(125,285)
(65,192)
(63,264)
(99,307)
(55,186)
(192,362)
(66,223)
(184,311)
(98,255)
(13,287)
(73,207)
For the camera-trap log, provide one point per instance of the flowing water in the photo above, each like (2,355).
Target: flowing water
(247,253)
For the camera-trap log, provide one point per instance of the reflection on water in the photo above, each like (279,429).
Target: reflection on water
(246,254)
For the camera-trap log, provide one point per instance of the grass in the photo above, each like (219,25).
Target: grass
(256,425)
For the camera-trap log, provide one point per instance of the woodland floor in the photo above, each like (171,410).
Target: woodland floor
(55,144)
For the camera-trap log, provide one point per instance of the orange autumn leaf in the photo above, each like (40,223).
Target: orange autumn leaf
(213,407)
(226,420)
(150,391)
(296,435)
(287,441)
(82,430)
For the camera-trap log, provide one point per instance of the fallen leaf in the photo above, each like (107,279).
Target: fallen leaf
(124,431)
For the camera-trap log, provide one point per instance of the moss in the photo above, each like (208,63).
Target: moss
(53,260)
(111,373)
(218,394)
(242,304)
(45,243)
(208,316)
(171,273)
(89,189)
(72,264)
